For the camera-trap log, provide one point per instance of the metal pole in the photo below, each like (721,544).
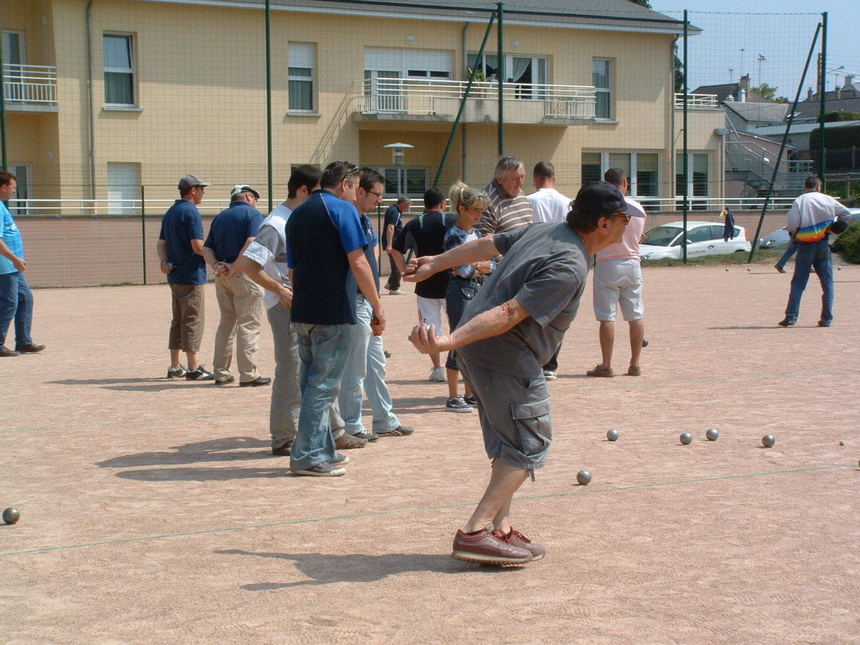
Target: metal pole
(822,101)
(783,144)
(143,230)
(3,158)
(269,99)
(501,72)
(686,205)
(463,103)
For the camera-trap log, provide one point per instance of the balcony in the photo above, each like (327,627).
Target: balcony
(697,101)
(396,99)
(30,88)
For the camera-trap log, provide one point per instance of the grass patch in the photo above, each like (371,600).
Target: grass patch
(762,256)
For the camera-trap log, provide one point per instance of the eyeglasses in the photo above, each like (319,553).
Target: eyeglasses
(375,194)
(626,216)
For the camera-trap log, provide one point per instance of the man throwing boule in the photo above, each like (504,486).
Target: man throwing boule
(505,336)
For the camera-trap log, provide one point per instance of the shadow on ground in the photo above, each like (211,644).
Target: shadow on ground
(223,449)
(323,568)
(129,384)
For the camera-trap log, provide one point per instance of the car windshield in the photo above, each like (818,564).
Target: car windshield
(661,236)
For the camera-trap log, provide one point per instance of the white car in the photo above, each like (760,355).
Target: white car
(703,238)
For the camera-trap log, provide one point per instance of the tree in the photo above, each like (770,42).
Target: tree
(768,93)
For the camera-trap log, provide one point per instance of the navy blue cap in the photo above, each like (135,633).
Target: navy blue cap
(601,198)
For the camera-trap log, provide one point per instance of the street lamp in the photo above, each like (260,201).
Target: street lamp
(398,152)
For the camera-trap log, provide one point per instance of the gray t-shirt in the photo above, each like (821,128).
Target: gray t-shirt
(545,268)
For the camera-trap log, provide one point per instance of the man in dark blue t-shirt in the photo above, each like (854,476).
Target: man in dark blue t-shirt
(180,249)
(240,299)
(391,227)
(325,242)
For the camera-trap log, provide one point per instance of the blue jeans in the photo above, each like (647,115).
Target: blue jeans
(16,302)
(323,350)
(365,374)
(791,250)
(815,254)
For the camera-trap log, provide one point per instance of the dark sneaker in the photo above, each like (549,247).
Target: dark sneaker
(6,352)
(29,349)
(471,400)
(199,374)
(457,404)
(484,547)
(224,380)
(257,382)
(370,436)
(176,372)
(340,459)
(825,323)
(399,431)
(348,442)
(779,268)
(324,469)
(515,538)
(283,450)
(786,322)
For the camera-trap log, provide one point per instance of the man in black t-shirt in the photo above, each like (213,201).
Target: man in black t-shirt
(391,227)
(426,235)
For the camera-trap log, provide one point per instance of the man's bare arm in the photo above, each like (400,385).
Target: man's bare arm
(389,236)
(258,275)
(398,258)
(197,246)
(475,251)
(161,249)
(494,322)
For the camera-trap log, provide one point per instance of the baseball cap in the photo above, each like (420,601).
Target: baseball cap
(601,198)
(190,181)
(243,188)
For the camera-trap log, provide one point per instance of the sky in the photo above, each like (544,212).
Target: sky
(770,42)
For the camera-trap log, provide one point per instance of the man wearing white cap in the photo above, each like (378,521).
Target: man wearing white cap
(240,299)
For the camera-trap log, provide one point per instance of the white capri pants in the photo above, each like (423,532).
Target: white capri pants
(618,281)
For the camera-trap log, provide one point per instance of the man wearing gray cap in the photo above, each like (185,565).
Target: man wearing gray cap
(180,249)
(240,299)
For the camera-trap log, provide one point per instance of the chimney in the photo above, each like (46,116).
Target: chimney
(808,93)
(849,82)
(745,82)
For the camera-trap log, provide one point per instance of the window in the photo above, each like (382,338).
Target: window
(526,70)
(119,69)
(123,188)
(414,181)
(601,79)
(301,76)
(14,58)
(24,172)
(642,169)
(698,180)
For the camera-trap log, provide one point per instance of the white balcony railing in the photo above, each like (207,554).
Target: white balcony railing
(35,84)
(697,101)
(437,97)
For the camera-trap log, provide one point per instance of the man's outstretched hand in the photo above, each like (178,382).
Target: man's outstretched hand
(427,342)
(419,269)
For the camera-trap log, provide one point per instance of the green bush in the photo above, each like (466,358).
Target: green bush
(849,243)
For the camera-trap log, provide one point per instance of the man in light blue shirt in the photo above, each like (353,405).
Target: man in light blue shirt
(16,299)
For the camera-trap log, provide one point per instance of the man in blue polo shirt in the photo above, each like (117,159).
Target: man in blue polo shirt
(325,253)
(180,249)
(16,299)
(240,299)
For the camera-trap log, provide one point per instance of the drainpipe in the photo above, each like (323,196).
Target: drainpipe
(91,121)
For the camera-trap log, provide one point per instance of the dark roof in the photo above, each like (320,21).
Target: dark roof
(726,90)
(620,15)
(810,108)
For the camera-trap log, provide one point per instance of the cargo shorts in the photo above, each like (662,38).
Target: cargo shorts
(515,415)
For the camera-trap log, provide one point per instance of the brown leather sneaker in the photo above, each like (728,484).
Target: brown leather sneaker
(515,538)
(484,547)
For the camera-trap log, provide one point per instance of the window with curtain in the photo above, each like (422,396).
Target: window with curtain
(119,69)
(301,60)
(647,178)
(601,79)
(591,168)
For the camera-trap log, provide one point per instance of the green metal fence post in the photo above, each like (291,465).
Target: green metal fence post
(143,230)
(822,100)
(501,72)
(686,205)
(269,98)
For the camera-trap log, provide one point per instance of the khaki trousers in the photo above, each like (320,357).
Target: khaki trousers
(241,303)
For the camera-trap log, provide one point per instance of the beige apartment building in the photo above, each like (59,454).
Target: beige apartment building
(105,96)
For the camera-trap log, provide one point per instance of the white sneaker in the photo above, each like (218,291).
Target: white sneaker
(437,375)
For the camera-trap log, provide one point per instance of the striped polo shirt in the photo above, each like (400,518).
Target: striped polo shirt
(505,212)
